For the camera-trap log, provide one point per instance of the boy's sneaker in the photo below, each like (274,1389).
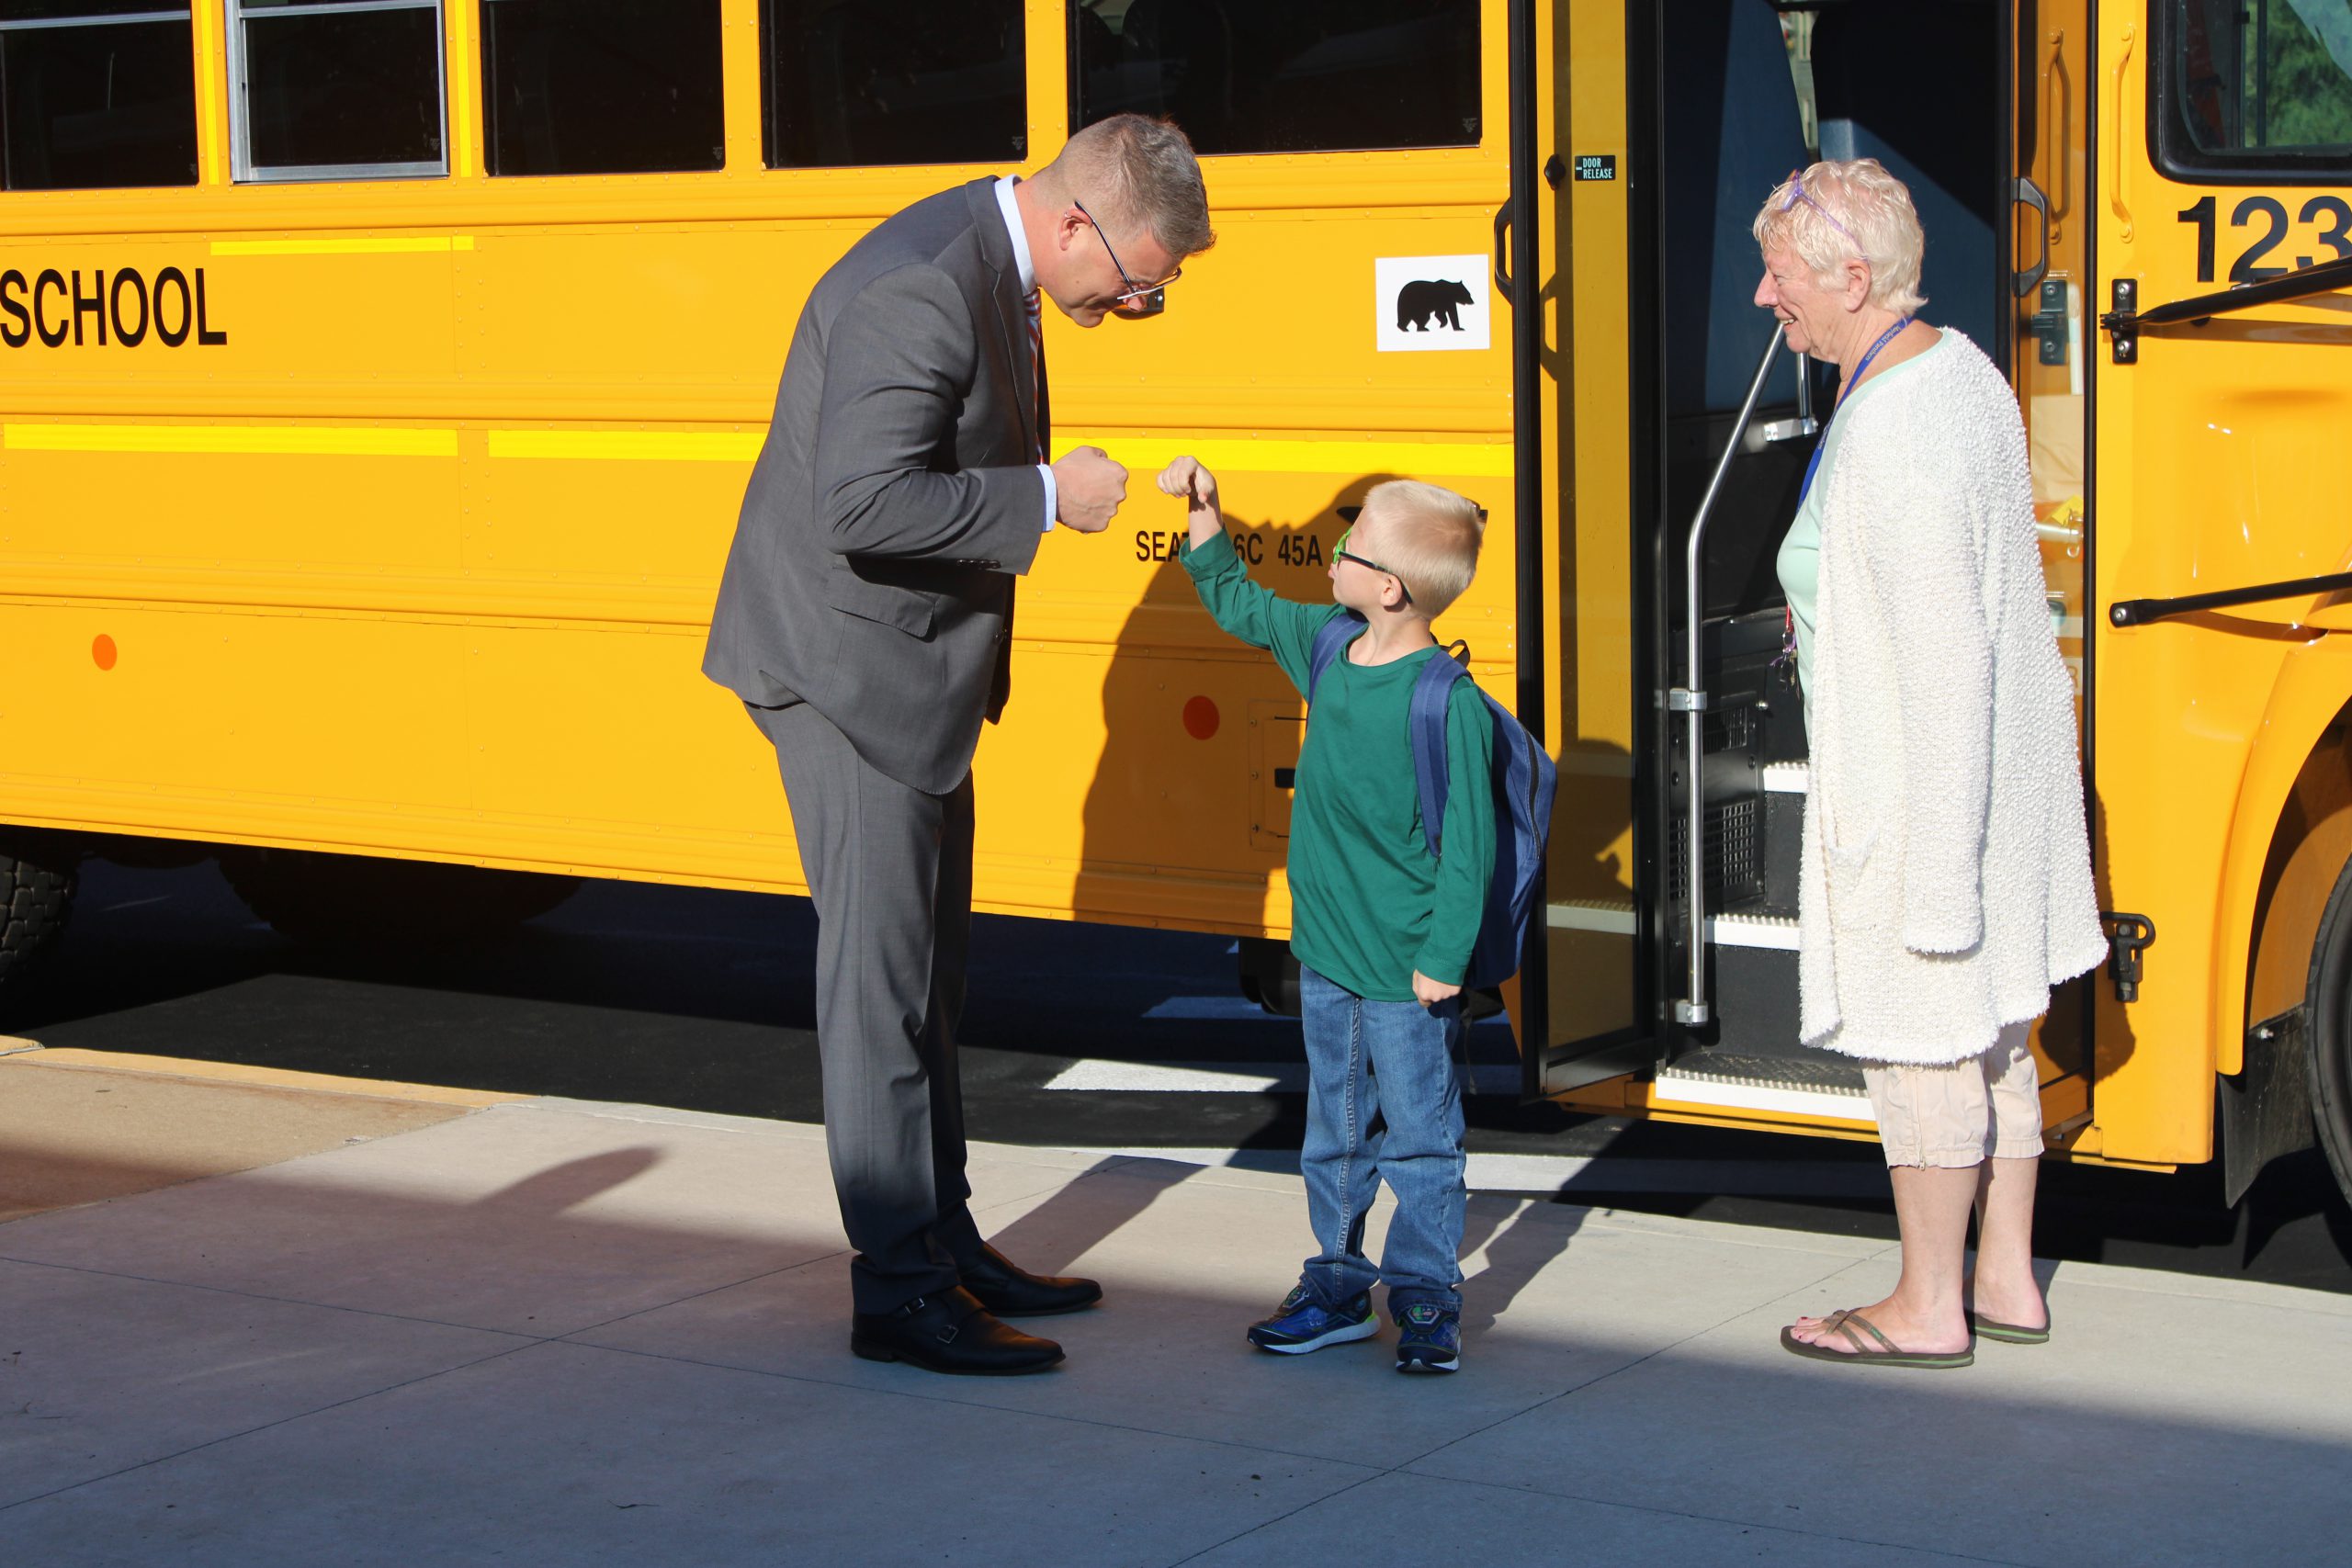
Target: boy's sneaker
(1431,1341)
(1300,1325)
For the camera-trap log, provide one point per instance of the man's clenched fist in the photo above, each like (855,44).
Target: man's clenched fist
(1090,487)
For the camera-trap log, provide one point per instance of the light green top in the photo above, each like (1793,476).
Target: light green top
(1799,562)
(1369,905)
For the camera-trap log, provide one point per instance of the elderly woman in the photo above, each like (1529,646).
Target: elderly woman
(1946,879)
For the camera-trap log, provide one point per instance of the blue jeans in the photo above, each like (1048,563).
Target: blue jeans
(1383,1102)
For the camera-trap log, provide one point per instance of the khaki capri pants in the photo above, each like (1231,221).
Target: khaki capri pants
(1955,1116)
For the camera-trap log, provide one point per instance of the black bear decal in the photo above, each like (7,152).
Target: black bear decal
(1440,298)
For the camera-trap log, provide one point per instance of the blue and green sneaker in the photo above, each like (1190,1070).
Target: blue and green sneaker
(1301,1325)
(1430,1340)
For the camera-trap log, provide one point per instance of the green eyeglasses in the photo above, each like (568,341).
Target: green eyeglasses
(1341,552)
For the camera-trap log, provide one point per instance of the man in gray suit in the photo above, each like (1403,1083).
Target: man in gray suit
(866,619)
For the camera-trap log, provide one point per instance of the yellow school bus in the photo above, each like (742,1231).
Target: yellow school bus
(378,379)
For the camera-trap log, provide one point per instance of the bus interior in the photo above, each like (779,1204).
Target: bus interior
(1747,94)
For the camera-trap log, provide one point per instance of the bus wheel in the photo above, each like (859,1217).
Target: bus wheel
(2328,997)
(36,894)
(346,900)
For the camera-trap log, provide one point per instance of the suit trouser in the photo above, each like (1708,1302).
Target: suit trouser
(890,868)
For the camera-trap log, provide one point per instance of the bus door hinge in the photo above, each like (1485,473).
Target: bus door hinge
(2049,324)
(2122,320)
(2126,937)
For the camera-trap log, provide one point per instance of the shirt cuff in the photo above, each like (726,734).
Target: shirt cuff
(1052,497)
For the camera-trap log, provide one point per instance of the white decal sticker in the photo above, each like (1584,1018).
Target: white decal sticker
(1426,303)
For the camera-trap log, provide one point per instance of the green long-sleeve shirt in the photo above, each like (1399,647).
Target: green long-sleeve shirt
(1369,905)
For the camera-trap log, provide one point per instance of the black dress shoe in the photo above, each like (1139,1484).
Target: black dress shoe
(950,1332)
(1009,1291)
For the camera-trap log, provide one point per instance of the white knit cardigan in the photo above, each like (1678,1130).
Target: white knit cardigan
(1946,879)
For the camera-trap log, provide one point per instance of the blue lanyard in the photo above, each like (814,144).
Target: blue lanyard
(1860,371)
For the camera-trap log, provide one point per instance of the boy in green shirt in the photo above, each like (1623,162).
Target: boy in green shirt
(1382,930)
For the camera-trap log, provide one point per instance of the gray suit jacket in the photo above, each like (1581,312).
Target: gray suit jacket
(895,498)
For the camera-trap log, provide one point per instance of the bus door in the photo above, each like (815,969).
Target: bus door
(1732,97)
(2220,370)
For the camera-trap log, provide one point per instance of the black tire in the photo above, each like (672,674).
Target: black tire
(2328,1029)
(348,900)
(36,895)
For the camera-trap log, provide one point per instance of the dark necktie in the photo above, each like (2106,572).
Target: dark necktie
(1044,420)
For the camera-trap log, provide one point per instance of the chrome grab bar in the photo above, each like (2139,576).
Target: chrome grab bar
(1690,701)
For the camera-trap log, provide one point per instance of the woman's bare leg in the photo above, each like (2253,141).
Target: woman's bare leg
(2004,1288)
(1931,1209)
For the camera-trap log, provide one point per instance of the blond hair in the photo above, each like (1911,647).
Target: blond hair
(1428,536)
(1137,173)
(1842,207)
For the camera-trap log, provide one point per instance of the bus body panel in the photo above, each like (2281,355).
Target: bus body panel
(2289,811)
(405,543)
(2215,451)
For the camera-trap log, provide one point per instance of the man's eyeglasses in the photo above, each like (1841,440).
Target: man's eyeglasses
(1341,552)
(1797,193)
(1138,299)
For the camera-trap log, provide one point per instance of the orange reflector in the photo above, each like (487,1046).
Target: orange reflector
(102,651)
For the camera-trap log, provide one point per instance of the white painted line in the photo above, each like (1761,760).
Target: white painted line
(1571,1173)
(1614,1173)
(1764,1097)
(1234,1077)
(1166,1078)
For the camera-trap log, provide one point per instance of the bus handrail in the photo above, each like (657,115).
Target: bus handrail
(2301,283)
(2140,611)
(1690,701)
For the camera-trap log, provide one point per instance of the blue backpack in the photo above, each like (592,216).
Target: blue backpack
(1524,781)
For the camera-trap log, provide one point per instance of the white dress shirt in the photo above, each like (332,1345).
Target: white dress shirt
(1004,204)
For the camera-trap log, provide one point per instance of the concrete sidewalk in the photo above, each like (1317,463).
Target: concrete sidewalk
(546,1332)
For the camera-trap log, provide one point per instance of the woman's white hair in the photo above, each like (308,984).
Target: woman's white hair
(1842,207)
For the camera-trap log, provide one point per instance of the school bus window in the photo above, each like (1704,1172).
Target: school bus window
(97,93)
(851,82)
(1301,76)
(336,89)
(602,86)
(2258,88)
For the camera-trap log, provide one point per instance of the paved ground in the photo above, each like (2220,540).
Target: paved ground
(699,1000)
(80,1126)
(551,1332)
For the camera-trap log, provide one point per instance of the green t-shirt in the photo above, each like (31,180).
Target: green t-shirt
(1799,562)
(1369,905)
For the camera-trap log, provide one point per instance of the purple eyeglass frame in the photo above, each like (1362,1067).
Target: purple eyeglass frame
(1798,193)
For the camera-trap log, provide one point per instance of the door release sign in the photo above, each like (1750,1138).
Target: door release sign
(1429,304)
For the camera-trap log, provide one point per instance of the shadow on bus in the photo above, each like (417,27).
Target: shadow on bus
(1188,784)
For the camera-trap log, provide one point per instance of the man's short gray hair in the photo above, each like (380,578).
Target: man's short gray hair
(1138,173)
(1842,207)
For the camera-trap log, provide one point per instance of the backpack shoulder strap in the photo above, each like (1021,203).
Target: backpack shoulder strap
(1432,692)
(1332,639)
